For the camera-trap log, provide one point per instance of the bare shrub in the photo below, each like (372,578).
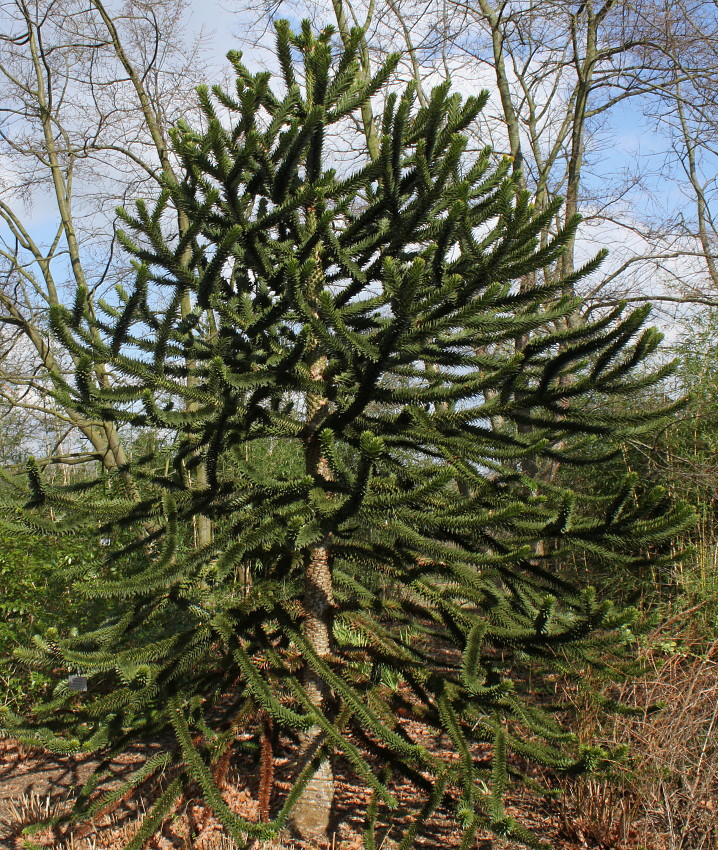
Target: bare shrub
(597,813)
(676,747)
(665,797)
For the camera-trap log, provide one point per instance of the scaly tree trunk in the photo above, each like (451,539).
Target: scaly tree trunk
(313,809)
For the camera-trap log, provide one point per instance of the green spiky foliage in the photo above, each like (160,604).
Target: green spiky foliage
(337,353)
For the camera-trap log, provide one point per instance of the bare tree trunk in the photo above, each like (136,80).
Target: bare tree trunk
(690,166)
(367,115)
(502,82)
(105,440)
(203,526)
(313,810)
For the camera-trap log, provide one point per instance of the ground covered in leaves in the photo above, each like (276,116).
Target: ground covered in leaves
(35,785)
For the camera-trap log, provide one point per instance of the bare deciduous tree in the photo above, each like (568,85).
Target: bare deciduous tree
(88,94)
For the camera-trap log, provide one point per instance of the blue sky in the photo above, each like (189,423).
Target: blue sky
(228,30)
(223,25)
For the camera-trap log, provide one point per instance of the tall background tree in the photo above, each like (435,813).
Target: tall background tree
(88,96)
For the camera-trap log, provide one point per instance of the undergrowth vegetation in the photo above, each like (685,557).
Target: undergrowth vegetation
(37,593)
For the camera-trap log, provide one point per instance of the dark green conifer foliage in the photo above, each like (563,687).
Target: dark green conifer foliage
(349,377)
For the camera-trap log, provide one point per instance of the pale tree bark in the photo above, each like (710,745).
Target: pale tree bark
(339,7)
(543,60)
(691,145)
(104,438)
(313,810)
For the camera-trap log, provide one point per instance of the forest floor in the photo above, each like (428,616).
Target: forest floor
(35,785)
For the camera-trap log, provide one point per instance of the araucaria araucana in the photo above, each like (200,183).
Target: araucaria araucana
(332,360)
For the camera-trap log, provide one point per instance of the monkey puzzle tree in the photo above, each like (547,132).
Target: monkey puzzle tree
(349,378)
